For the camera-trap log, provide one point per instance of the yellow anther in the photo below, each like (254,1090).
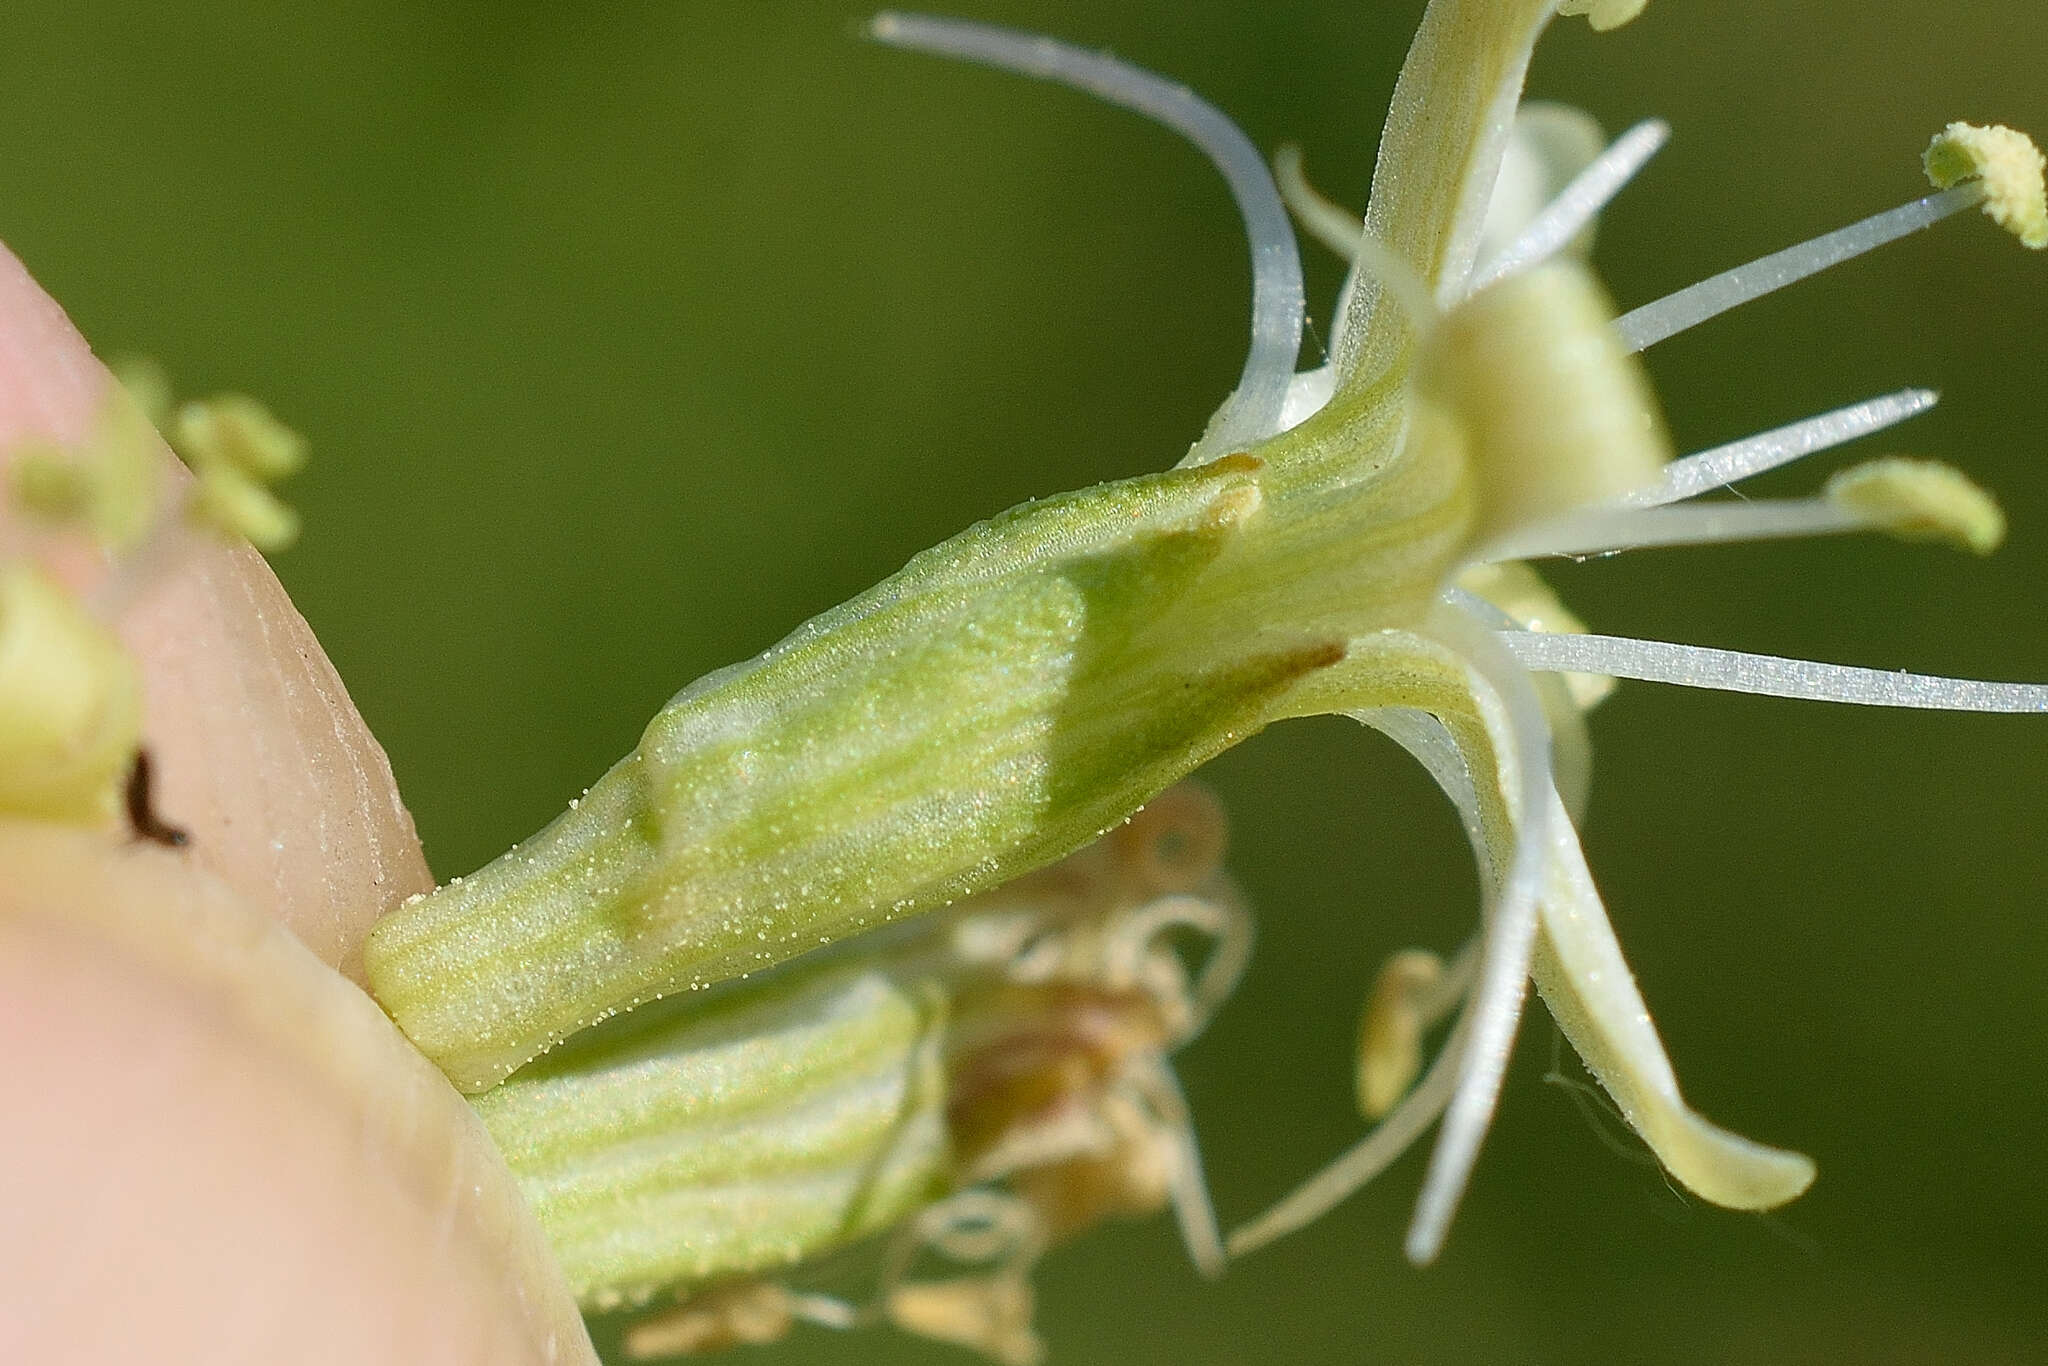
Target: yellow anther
(70,704)
(108,484)
(237,430)
(238,449)
(740,1313)
(229,500)
(1130,1175)
(1397,1014)
(2008,165)
(145,382)
(986,1314)
(51,483)
(1920,500)
(1603,14)
(123,454)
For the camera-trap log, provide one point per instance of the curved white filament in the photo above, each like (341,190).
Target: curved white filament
(1738,460)
(1368,1157)
(1590,191)
(1228,928)
(1252,411)
(826,1311)
(1495,1007)
(1696,666)
(1424,737)
(1693,305)
(1188,1188)
(1323,218)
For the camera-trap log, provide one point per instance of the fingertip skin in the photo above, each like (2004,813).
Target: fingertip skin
(221,1151)
(258,751)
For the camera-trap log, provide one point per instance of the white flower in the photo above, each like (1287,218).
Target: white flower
(1471,323)
(1352,541)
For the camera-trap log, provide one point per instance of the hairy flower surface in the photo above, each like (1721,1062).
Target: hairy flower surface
(970,1088)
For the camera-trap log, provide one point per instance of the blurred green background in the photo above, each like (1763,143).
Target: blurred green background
(629,335)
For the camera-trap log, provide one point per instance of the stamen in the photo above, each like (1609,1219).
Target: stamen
(1426,738)
(1365,1159)
(1603,14)
(1576,205)
(1225,923)
(1915,500)
(2008,165)
(236,450)
(1502,984)
(722,1316)
(1323,218)
(70,704)
(990,1313)
(1920,500)
(1606,530)
(1411,996)
(1689,307)
(1738,460)
(971,1226)
(1592,996)
(1343,232)
(826,1311)
(1253,409)
(1188,1189)
(1697,666)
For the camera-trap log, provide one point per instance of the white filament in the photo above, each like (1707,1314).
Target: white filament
(1193,1211)
(1368,1157)
(1502,984)
(977,1225)
(1590,191)
(1689,307)
(826,1311)
(1695,666)
(1324,219)
(1424,737)
(1134,939)
(1253,409)
(1724,465)
(1601,531)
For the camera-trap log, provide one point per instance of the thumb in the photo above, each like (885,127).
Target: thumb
(223,1151)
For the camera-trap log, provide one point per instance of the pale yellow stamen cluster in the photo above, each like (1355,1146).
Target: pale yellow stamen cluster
(987,1314)
(2008,165)
(238,450)
(70,695)
(70,704)
(108,485)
